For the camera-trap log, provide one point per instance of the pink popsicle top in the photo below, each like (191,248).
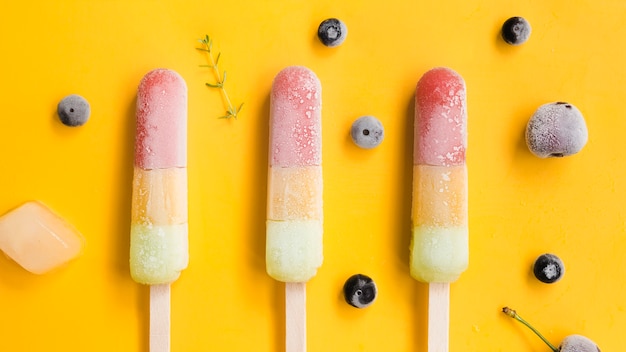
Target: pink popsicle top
(295,118)
(440,119)
(161,136)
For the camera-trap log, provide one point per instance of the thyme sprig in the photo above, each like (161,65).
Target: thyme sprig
(220,78)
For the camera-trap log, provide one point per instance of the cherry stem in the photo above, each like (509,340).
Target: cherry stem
(513,314)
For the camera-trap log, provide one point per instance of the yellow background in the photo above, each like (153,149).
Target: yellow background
(520,205)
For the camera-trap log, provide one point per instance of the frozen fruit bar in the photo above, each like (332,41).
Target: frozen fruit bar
(38,239)
(158,238)
(439,247)
(294,209)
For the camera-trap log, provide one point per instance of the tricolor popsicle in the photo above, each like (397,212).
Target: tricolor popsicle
(294,201)
(158,245)
(158,239)
(439,246)
(439,249)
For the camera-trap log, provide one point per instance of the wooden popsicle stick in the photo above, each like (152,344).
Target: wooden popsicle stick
(160,318)
(438,317)
(295,316)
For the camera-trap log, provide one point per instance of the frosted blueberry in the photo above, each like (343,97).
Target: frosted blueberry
(332,32)
(548,268)
(556,130)
(360,291)
(516,30)
(367,132)
(73,110)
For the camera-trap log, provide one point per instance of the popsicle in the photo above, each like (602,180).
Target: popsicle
(158,234)
(439,246)
(38,239)
(294,203)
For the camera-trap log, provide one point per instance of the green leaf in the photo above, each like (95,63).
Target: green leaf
(207,46)
(227,116)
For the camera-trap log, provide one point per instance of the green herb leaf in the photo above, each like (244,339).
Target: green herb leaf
(207,47)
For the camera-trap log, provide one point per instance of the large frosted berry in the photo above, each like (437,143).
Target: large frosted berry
(556,130)
(578,343)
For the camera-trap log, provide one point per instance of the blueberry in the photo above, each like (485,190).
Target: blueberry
(332,32)
(73,110)
(516,30)
(360,291)
(556,130)
(548,268)
(367,132)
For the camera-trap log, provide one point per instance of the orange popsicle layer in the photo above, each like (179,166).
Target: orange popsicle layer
(157,196)
(295,193)
(441,195)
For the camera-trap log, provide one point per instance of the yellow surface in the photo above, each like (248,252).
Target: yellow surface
(520,206)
